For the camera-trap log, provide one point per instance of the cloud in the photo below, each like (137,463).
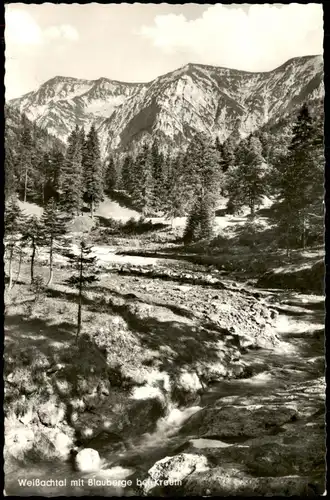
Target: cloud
(22,30)
(63,31)
(255,39)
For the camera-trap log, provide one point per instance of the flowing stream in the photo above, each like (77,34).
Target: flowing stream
(299,358)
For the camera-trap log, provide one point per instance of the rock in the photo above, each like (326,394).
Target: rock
(51,413)
(174,469)
(107,441)
(87,460)
(18,440)
(237,421)
(221,481)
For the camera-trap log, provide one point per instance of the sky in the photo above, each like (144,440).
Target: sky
(138,42)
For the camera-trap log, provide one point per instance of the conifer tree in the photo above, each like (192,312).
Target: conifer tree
(245,181)
(32,233)
(72,178)
(205,182)
(11,186)
(143,187)
(53,226)
(83,263)
(93,171)
(158,175)
(175,191)
(300,178)
(26,153)
(110,175)
(14,221)
(127,174)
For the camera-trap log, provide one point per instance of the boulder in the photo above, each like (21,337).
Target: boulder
(221,481)
(237,421)
(51,413)
(174,469)
(87,460)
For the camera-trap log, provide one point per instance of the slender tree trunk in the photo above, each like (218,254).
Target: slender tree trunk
(303,236)
(11,255)
(32,259)
(51,271)
(25,184)
(92,209)
(19,266)
(80,295)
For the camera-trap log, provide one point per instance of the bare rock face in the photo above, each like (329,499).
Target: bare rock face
(88,460)
(229,102)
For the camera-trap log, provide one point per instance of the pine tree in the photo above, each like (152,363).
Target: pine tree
(158,175)
(93,171)
(32,233)
(205,180)
(300,178)
(175,195)
(110,175)
(143,187)
(72,179)
(83,264)
(126,174)
(53,226)
(26,153)
(228,158)
(11,184)
(245,181)
(14,221)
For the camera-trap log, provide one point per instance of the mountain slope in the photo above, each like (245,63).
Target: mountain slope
(174,106)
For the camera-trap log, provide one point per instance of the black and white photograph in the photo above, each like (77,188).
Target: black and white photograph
(163,251)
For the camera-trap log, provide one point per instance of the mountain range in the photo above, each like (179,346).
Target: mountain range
(219,101)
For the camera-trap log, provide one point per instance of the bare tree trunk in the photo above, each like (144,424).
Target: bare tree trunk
(303,236)
(51,272)
(19,266)
(11,255)
(25,184)
(92,209)
(80,295)
(32,259)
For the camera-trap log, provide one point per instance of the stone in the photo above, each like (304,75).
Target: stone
(175,469)
(51,413)
(221,481)
(237,421)
(88,460)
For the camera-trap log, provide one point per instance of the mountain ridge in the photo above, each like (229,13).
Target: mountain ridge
(172,107)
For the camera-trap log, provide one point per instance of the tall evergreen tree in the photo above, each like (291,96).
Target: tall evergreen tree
(83,263)
(159,177)
(14,221)
(175,191)
(245,181)
(143,187)
(26,154)
(205,180)
(300,178)
(127,181)
(32,233)
(72,178)
(53,226)
(93,171)
(110,175)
